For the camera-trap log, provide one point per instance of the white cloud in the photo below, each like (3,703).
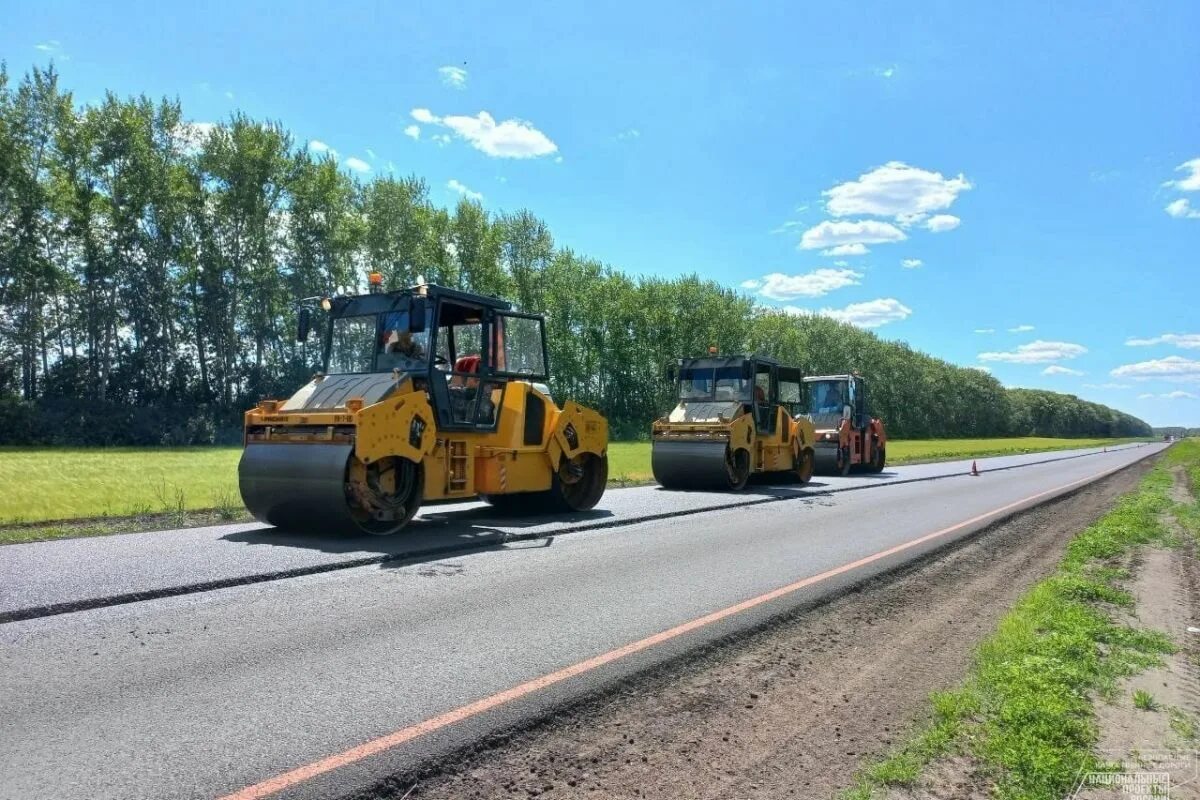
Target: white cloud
(1191,181)
(911,263)
(512,138)
(942,223)
(1055,369)
(54,48)
(455,77)
(357,164)
(1037,352)
(886,72)
(1145,396)
(454,186)
(630,133)
(1180,395)
(787,226)
(1021,329)
(1107,386)
(1182,209)
(320,148)
(870,314)
(413,132)
(895,190)
(753,283)
(1171,368)
(442,139)
(778,286)
(985,330)
(371,154)
(833,234)
(1187,341)
(856,249)
(193,135)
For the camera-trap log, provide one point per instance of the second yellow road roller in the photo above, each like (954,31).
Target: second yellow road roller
(736,416)
(427,393)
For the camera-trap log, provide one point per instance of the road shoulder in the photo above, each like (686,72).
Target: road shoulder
(792,710)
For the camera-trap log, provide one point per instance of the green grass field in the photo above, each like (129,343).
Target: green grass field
(69,483)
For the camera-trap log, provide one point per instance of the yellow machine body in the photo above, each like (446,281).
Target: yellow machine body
(367,458)
(730,424)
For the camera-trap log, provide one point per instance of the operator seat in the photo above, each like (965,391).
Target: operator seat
(465,364)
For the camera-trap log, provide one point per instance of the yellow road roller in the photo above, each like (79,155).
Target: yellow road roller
(426,393)
(736,416)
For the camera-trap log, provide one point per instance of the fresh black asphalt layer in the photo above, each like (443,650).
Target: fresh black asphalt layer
(47,578)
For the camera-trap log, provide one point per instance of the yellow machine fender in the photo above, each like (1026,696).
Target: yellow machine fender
(804,435)
(741,433)
(398,426)
(577,430)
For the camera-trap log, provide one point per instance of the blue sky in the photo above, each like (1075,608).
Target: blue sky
(1034,160)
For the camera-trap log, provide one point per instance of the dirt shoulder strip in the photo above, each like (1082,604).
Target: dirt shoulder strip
(793,710)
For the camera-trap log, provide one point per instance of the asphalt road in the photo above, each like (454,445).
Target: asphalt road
(203,694)
(65,575)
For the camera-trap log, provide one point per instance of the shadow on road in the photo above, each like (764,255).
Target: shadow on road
(432,535)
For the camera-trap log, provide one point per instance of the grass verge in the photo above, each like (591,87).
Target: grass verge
(1025,713)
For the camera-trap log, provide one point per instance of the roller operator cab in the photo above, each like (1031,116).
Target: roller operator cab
(735,416)
(848,437)
(426,394)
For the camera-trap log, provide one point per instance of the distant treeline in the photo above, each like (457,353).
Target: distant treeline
(149,270)
(1177,431)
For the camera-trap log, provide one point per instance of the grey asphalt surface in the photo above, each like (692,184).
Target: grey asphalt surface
(87,572)
(200,695)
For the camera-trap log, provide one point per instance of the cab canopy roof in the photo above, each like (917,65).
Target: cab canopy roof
(815,378)
(787,374)
(398,300)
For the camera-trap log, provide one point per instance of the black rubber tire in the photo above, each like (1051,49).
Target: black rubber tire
(806,468)
(843,466)
(415,493)
(561,497)
(738,469)
(879,461)
(584,493)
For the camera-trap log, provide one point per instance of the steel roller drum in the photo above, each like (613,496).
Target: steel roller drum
(826,460)
(297,486)
(690,465)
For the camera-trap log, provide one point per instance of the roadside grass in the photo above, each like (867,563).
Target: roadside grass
(1025,712)
(1144,701)
(52,493)
(629,462)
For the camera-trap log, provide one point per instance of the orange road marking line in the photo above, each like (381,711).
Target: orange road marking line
(308,771)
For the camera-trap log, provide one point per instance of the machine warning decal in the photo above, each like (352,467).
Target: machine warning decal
(415,431)
(571,435)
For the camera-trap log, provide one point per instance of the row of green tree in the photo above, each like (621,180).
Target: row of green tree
(149,270)
(1177,431)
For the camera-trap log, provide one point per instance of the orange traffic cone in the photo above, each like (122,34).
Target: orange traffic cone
(974,469)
